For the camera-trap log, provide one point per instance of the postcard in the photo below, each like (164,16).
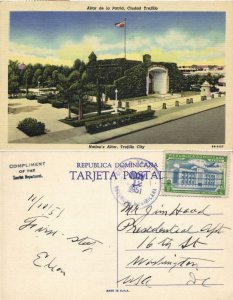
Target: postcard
(91,74)
(81,225)
(116,150)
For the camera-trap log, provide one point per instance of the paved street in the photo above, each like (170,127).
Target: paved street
(207,127)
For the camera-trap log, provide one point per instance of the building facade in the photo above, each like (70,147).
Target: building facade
(196,178)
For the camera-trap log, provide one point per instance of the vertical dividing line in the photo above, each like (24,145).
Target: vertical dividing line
(117,238)
(125,39)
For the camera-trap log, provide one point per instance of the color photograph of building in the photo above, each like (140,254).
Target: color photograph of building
(87,77)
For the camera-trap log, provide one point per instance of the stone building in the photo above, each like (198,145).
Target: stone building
(195,177)
(133,78)
(205,89)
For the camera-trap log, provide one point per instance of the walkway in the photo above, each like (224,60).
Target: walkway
(78,135)
(23,108)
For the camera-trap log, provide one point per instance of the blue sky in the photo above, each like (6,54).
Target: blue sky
(61,37)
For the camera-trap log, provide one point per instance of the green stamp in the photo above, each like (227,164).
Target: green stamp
(198,174)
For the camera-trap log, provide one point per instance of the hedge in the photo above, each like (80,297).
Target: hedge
(51,101)
(89,107)
(31,97)
(127,111)
(51,96)
(74,109)
(57,104)
(78,123)
(43,99)
(118,121)
(31,127)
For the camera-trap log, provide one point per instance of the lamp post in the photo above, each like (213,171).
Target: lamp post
(116,101)
(23,67)
(38,88)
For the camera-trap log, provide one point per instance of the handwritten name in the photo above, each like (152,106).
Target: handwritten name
(43,260)
(131,209)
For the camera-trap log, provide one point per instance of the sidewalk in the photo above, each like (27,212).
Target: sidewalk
(80,136)
(23,108)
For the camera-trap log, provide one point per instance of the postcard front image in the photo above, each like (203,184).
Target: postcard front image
(116,150)
(118,75)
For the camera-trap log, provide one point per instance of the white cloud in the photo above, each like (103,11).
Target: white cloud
(138,43)
(22,49)
(172,46)
(179,40)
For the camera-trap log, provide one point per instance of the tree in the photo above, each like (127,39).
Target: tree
(68,86)
(37,76)
(79,65)
(13,86)
(82,93)
(13,77)
(54,78)
(46,76)
(27,76)
(64,70)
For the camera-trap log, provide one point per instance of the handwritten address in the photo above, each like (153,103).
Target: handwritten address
(164,246)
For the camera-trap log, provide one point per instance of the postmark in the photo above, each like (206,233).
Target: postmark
(195,174)
(138,181)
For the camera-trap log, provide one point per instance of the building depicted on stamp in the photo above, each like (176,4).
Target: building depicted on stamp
(195,174)
(195,177)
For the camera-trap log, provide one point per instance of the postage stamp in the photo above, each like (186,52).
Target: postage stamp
(137,181)
(195,174)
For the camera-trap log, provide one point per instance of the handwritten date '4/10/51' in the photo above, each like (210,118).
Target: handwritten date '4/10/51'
(46,208)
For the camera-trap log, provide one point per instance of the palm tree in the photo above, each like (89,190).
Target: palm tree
(72,88)
(13,77)
(67,86)
(82,93)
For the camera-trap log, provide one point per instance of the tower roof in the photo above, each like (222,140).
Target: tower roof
(206,83)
